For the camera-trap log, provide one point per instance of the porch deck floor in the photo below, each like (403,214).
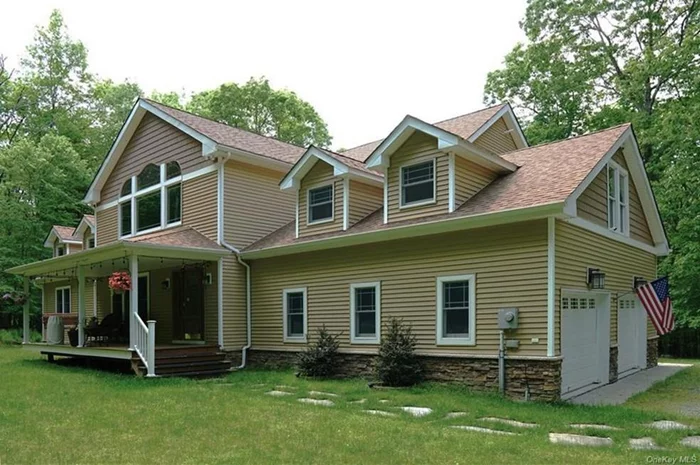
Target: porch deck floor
(119,351)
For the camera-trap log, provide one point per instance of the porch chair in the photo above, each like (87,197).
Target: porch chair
(108,330)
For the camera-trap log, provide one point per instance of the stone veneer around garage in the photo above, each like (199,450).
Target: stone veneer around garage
(613,364)
(536,379)
(652,352)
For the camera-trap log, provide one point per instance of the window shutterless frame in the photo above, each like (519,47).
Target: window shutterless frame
(358,308)
(442,337)
(286,294)
(311,203)
(63,296)
(405,171)
(618,198)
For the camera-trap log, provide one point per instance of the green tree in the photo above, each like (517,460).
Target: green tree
(11,98)
(172,99)
(256,106)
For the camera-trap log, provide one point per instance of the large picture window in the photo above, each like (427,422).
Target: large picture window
(618,199)
(294,309)
(321,204)
(63,300)
(156,203)
(456,310)
(365,319)
(418,183)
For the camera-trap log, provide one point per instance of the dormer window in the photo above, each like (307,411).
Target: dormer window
(418,183)
(60,250)
(321,204)
(618,199)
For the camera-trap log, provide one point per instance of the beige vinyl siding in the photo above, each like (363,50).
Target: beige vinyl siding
(254,205)
(577,249)
(470,178)
(106,225)
(199,204)
(319,175)
(364,199)
(496,139)
(161,305)
(50,296)
(592,205)
(154,141)
(234,301)
(419,147)
(73,248)
(510,265)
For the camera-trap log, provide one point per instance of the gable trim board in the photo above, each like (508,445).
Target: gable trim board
(511,122)
(635,166)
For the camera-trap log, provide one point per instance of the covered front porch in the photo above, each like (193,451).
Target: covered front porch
(172,309)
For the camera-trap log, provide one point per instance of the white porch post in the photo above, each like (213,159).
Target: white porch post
(81,306)
(25,313)
(134,303)
(151,355)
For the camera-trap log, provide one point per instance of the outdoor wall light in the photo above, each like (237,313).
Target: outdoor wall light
(639,281)
(596,279)
(165,284)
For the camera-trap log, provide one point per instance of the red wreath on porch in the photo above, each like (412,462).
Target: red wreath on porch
(119,281)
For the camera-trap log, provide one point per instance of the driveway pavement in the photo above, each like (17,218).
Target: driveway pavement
(623,389)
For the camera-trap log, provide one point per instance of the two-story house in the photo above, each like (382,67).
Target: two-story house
(247,244)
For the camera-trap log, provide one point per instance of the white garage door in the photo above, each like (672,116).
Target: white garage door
(585,341)
(631,335)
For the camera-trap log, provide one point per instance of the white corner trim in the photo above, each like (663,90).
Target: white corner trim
(220,204)
(551,289)
(298,339)
(451,181)
(386,195)
(659,250)
(220,301)
(296,225)
(469,339)
(346,203)
(354,339)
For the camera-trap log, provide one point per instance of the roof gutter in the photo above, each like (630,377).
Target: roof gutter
(248,305)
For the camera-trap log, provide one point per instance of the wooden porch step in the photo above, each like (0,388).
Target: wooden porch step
(184,368)
(186,361)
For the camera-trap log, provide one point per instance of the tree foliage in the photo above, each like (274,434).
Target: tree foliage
(591,64)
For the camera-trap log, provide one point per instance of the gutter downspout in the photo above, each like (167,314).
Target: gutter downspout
(244,350)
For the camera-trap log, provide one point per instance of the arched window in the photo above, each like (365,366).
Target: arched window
(126,188)
(150,176)
(172,170)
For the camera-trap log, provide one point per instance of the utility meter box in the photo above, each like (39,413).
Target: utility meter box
(508,318)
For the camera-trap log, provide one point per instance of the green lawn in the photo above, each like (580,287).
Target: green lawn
(57,414)
(679,394)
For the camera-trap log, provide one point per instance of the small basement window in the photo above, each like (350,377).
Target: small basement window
(418,183)
(294,309)
(321,204)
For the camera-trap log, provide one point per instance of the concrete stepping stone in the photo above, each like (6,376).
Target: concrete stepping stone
(579,440)
(283,387)
(276,393)
(381,413)
(417,411)
(506,421)
(359,401)
(479,429)
(691,441)
(643,444)
(668,425)
(322,394)
(384,401)
(451,415)
(594,426)
(324,402)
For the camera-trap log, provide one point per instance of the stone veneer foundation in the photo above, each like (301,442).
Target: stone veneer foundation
(534,379)
(652,352)
(613,364)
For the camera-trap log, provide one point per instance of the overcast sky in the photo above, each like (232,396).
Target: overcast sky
(362,64)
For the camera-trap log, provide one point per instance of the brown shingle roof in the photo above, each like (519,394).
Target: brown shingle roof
(65,233)
(181,236)
(351,162)
(90,219)
(234,137)
(547,173)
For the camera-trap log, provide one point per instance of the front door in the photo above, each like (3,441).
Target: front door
(188,304)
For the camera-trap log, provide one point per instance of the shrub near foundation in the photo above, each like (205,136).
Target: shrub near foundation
(397,363)
(320,360)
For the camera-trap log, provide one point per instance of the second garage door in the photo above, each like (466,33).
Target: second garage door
(631,335)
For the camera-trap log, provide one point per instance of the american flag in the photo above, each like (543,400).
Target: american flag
(657,302)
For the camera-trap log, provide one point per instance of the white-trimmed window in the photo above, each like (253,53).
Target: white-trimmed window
(63,299)
(320,200)
(365,313)
(151,200)
(456,310)
(60,250)
(618,199)
(294,310)
(418,183)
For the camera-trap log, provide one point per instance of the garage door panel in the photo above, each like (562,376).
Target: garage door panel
(631,331)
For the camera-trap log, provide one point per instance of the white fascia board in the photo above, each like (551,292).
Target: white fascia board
(413,230)
(82,226)
(306,162)
(380,156)
(658,250)
(511,122)
(474,153)
(635,166)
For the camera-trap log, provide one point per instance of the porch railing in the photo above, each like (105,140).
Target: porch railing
(145,343)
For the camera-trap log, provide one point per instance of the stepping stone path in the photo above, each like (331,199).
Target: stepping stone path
(360,401)
(381,413)
(322,394)
(579,440)
(506,421)
(282,387)
(478,429)
(691,441)
(324,402)
(643,444)
(278,393)
(667,425)
(594,426)
(417,411)
(455,415)
(384,401)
